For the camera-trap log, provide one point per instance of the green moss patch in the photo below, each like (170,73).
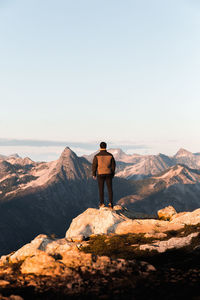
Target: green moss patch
(116,246)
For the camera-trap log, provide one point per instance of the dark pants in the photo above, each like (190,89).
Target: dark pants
(101,181)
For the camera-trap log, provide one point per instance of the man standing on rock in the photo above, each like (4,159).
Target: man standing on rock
(103,168)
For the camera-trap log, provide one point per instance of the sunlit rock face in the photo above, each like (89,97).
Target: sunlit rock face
(166,213)
(123,221)
(173,243)
(45,256)
(100,221)
(187,218)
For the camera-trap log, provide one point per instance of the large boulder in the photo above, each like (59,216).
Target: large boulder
(41,264)
(42,243)
(100,221)
(166,213)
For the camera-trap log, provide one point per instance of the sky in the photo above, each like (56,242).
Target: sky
(75,73)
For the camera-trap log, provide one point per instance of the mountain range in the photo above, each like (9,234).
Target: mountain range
(178,186)
(137,166)
(43,197)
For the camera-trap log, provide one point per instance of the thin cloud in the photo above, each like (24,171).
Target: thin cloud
(79,145)
(126,146)
(44,143)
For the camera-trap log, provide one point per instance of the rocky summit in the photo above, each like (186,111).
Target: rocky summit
(100,221)
(109,254)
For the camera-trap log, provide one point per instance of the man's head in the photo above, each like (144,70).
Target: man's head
(103,145)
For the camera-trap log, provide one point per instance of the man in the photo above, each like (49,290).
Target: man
(103,168)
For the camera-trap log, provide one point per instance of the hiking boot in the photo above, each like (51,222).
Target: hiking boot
(110,205)
(101,205)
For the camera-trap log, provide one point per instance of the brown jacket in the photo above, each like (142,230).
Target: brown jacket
(103,164)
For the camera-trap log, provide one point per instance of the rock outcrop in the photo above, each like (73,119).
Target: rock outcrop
(187,218)
(122,221)
(85,260)
(100,221)
(60,262)
(173,243)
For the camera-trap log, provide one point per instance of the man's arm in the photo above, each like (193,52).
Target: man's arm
(94,166)
(113,165)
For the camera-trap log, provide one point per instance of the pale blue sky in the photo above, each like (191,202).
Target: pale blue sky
(127,72)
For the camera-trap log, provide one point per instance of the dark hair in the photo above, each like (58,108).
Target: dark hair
(103,145)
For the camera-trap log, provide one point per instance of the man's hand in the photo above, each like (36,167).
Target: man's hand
(94,177)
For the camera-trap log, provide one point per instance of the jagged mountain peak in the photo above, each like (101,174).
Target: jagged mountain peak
(14,155)
(71,166)
(116,151)
(27,161)
(121,156)
(68,153)
(183,152)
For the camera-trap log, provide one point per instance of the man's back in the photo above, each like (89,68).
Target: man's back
(103,164)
